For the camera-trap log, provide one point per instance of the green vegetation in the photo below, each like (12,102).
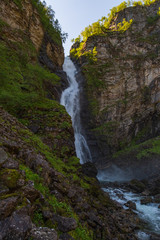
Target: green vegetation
(104,24)
(59,207)
(47,16)
(21,81)
(122,27)
(49,22)
(141,150)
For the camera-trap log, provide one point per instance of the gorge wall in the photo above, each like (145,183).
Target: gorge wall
(44,193)
(123,91)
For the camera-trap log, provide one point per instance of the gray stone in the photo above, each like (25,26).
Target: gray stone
(43,233)
(3,156)
(66,224)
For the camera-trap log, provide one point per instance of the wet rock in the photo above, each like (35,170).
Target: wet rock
(7,206)
(66,224)
(65,236)
(131,205)
(157,198)
(146,200)
(89,169)
(137,185)
(154,236)
(43,233)
(15,227)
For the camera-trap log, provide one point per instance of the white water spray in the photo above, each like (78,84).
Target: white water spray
(70,99)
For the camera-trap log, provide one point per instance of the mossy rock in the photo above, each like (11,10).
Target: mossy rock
(9,177)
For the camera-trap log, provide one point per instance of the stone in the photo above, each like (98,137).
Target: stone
(3,189)
(131,205)
(3,156)
(157,198)
(11,164)
(146,200)
(89,169)
(7,206)
(10,177)
(43,233)
(15,227)
(30,193)
(137,185)
(66,224)
(65,236)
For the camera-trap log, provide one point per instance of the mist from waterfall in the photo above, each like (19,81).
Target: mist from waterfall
(71,100)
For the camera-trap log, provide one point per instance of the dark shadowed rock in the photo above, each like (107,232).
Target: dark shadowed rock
(7,206)
(65,236)
(137,185)
(31,193)
(131,205)
(3,156)
(89,169)
(146,200)
(66,224)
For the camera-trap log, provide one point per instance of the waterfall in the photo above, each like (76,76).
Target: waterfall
(71,100)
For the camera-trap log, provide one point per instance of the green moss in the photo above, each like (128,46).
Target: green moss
(18,3)
(9,177)
(9,195)
(82,233)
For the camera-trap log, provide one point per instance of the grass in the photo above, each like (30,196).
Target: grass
(61,208)
(141,150)
(21,81)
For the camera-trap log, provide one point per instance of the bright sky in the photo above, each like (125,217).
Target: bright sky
(75,15)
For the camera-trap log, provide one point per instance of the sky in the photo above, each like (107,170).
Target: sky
(75,15)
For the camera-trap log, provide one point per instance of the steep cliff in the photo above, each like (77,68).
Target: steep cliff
(122,87)
(43,191)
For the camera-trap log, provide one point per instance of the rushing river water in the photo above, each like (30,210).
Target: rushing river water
(70,98)
(149,213)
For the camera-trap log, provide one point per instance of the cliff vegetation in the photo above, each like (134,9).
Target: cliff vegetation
(121,85)
(44,193)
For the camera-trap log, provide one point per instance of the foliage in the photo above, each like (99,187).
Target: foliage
(124,25)
(49,22)
(79,52)
(21,82)
(104,24)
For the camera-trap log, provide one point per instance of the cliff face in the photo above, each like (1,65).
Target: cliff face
(44,193)
(123,85)
(23,19)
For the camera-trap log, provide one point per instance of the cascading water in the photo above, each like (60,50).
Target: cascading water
(70,99)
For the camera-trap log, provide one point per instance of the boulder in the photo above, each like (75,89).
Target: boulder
(89,169)
(3,156)
(65,236)
(66,224)
(131,205)
(7,206)
(15,227)
(43,233)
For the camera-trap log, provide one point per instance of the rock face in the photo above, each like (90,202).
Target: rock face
(123,86)
(25,18)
